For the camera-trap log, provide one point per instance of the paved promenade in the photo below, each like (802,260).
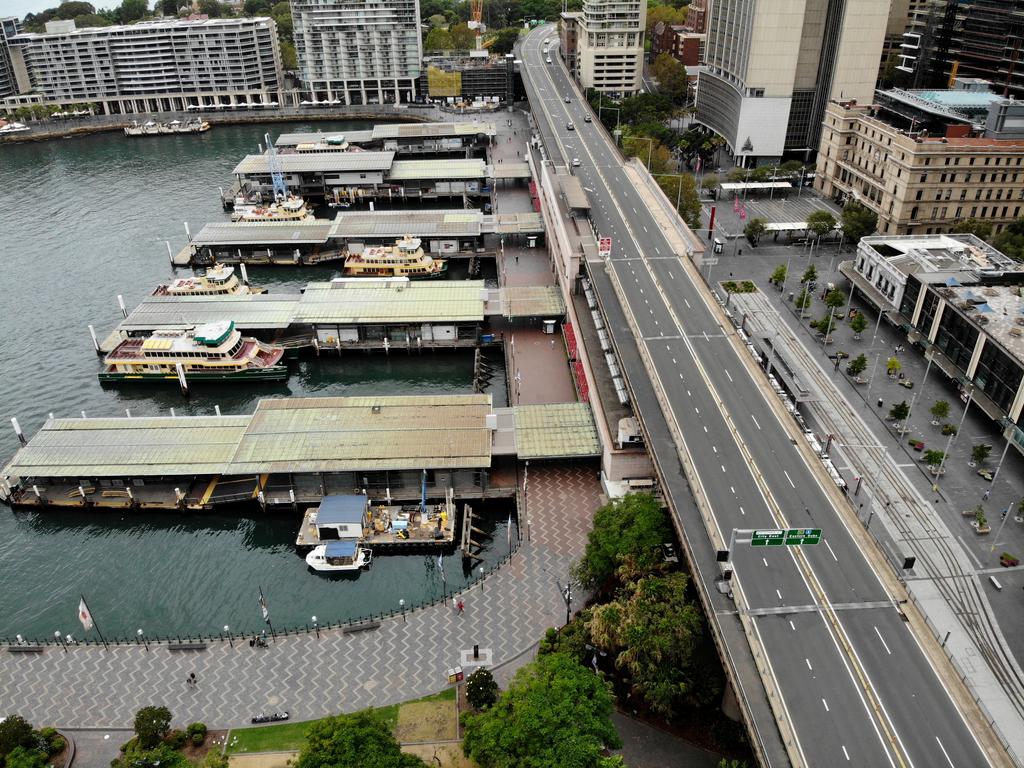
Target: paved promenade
(507,613)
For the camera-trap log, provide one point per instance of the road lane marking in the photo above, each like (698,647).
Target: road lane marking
(765,561)
(687,304)
(778,593)
(723,467)
(755,421)
(788,478)
(846,754)
(728,374)
(826,705)
(883,641)
(705,429)
(833,553)
(733,490)
(792,625)
(687,391)
(945,753)
(742,512)
(713,448)
(809,665)
(697,410)
(673,359)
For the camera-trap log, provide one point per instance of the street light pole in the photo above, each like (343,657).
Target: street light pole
(142,637)
(316,627)
(401,606)
(231,639)
(60,639)
(949,443)
(910,411)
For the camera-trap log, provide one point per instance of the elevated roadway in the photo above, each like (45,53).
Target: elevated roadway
(848,681)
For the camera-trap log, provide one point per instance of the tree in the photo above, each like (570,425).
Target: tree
(682,187)
(481,689)
(653,631)
(933,458)
(463,38)
(857,365)
(779,275)
(803,300)
(505,40)
(72,8)
(939,410)
(835,298)
(670,74)
(282,15)
(362,738)
(215,9)
(810,275)
(977,227)
(438,40)
(900,411)
(754,229)
(151,725)
(436,21)
(288,57)
(633,526)
(858,323)
(162,755)
(980,452)
(665,13)
(893,366)
(15,731)
(555,712)
(709,181)
(821,223)
(1011,240)
(858,221)
(132,10)
(20,757)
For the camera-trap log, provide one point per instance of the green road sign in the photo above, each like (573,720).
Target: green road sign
(798,536)
(769,538)
(792,537)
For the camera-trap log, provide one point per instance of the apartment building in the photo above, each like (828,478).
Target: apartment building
(9,27)
(921,175)
(771,66)
(155,66)
(674,39)
(610,50)
(358,51)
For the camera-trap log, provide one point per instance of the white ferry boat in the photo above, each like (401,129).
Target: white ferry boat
(404,259)
(340,555)
(211,352)
(293,208)
(14,128)
(153,128)
(218,280)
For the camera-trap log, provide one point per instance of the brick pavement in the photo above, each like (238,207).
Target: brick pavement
(508,612)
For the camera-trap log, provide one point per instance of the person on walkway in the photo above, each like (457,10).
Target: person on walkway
(192,679)
(188,683)
(986,494)
(461,606)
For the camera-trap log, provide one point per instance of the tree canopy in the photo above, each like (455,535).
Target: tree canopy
(982,229)
(665,13)
(505,40)
(634,526)
(555,712)
(1011,240)
(858,221)
(821,222)
(361,739)
(15,731)
(653,631)
(151,725)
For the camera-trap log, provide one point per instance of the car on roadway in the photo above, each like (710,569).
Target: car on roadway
(549,59)
(575,162)
(569,126)
(567,99)
(586,118)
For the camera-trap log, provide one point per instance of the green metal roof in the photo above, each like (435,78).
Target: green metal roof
(415,170)
(556,430)
(365,300)
(544,301)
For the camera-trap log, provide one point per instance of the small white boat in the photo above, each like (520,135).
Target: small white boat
(340,555)
(14,128)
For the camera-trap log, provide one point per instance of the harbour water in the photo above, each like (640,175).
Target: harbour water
(81,221)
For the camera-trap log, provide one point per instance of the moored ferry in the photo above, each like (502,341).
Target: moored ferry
(292,208)
(218,280)
(404,259)
(211,352)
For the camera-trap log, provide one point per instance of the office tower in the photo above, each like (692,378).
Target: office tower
(358,51)
(772,65)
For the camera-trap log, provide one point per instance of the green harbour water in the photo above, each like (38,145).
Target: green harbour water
(85,220)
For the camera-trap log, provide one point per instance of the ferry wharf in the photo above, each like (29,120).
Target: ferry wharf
(296,451)
(389,314)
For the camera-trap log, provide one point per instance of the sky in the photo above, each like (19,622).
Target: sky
(20,7)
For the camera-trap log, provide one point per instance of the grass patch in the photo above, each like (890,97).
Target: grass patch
(284,737)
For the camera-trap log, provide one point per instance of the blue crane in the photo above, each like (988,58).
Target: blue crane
(276,174)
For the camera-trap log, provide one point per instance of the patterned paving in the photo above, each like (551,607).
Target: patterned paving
(311,677)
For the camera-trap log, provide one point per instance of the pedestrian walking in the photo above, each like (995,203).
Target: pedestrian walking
(462,606)
(1002,515)
(188,683)
(192,679)
(986,494)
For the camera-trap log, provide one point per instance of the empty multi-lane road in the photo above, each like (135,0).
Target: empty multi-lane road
(855,685)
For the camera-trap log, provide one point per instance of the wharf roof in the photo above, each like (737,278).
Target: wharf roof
(365,300)
(323,162)
(342,509)
(512,170)
(316,434)
(414,170)
(337,434)
(249,311)
(555,430)
(193,445)
(259,232)
(451,223)
(390,131)
(514,223)
(543,301)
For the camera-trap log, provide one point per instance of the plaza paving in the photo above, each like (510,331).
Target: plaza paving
(90,686)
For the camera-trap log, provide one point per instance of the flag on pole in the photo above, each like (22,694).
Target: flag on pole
(84,615)
(440,567)
(263,607)
(508,531)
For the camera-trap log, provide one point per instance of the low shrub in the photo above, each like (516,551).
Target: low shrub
(196,728)
(176,739)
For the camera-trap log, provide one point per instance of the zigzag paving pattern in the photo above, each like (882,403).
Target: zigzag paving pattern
(95,687)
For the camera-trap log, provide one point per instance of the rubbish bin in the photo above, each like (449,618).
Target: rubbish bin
(549,326)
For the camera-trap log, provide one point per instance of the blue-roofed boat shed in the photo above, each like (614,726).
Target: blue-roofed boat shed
(343,513)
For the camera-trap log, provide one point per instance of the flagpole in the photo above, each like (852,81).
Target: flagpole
(266,613)
(92,618)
